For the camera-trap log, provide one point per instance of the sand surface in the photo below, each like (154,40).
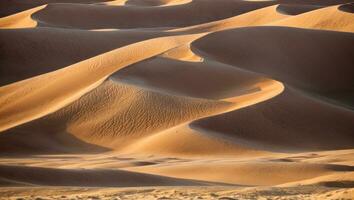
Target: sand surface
(176,99)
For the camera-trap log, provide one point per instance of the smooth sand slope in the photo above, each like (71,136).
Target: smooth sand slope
(176,99)
(257,17)
(328,18)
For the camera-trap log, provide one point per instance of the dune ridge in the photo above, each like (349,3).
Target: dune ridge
(328,18)
(97,68)
(176,99)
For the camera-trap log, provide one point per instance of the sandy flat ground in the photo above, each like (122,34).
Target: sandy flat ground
(176,99)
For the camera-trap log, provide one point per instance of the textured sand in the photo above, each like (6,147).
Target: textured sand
(176,99)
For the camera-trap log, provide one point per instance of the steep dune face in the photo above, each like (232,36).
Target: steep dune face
(323,66)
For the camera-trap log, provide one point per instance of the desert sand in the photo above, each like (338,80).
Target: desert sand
(176,99)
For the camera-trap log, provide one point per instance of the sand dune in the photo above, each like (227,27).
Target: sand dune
(176,99)
(328,18)
(258,49)
(52,52)
(296,9)
(96,69)
(115,16)
(258,17)
(246,173)
(89,178)
(20,20)
(207,79)
(310,125)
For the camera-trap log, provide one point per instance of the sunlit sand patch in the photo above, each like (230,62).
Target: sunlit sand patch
(20,20)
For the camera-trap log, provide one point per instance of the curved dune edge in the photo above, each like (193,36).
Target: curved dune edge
(93,16)
(125,114)
(328,18)
(266,50)
(115,106)
(294,9)
(20,20)
(253,18)
(22,96)
(183,53)
(195,143)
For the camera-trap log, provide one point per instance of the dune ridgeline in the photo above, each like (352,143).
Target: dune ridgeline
(254,97)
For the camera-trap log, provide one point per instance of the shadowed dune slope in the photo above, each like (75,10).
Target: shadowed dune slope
(329,18)
(146,17)
(15,6)
(88,178)
(316,61)
(30,52)
(207,79)
(253,18)
(294,9)
(289,121)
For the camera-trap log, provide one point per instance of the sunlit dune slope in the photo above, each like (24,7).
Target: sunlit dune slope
(64,86)
(124,114)
(20,20)
(252,173)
